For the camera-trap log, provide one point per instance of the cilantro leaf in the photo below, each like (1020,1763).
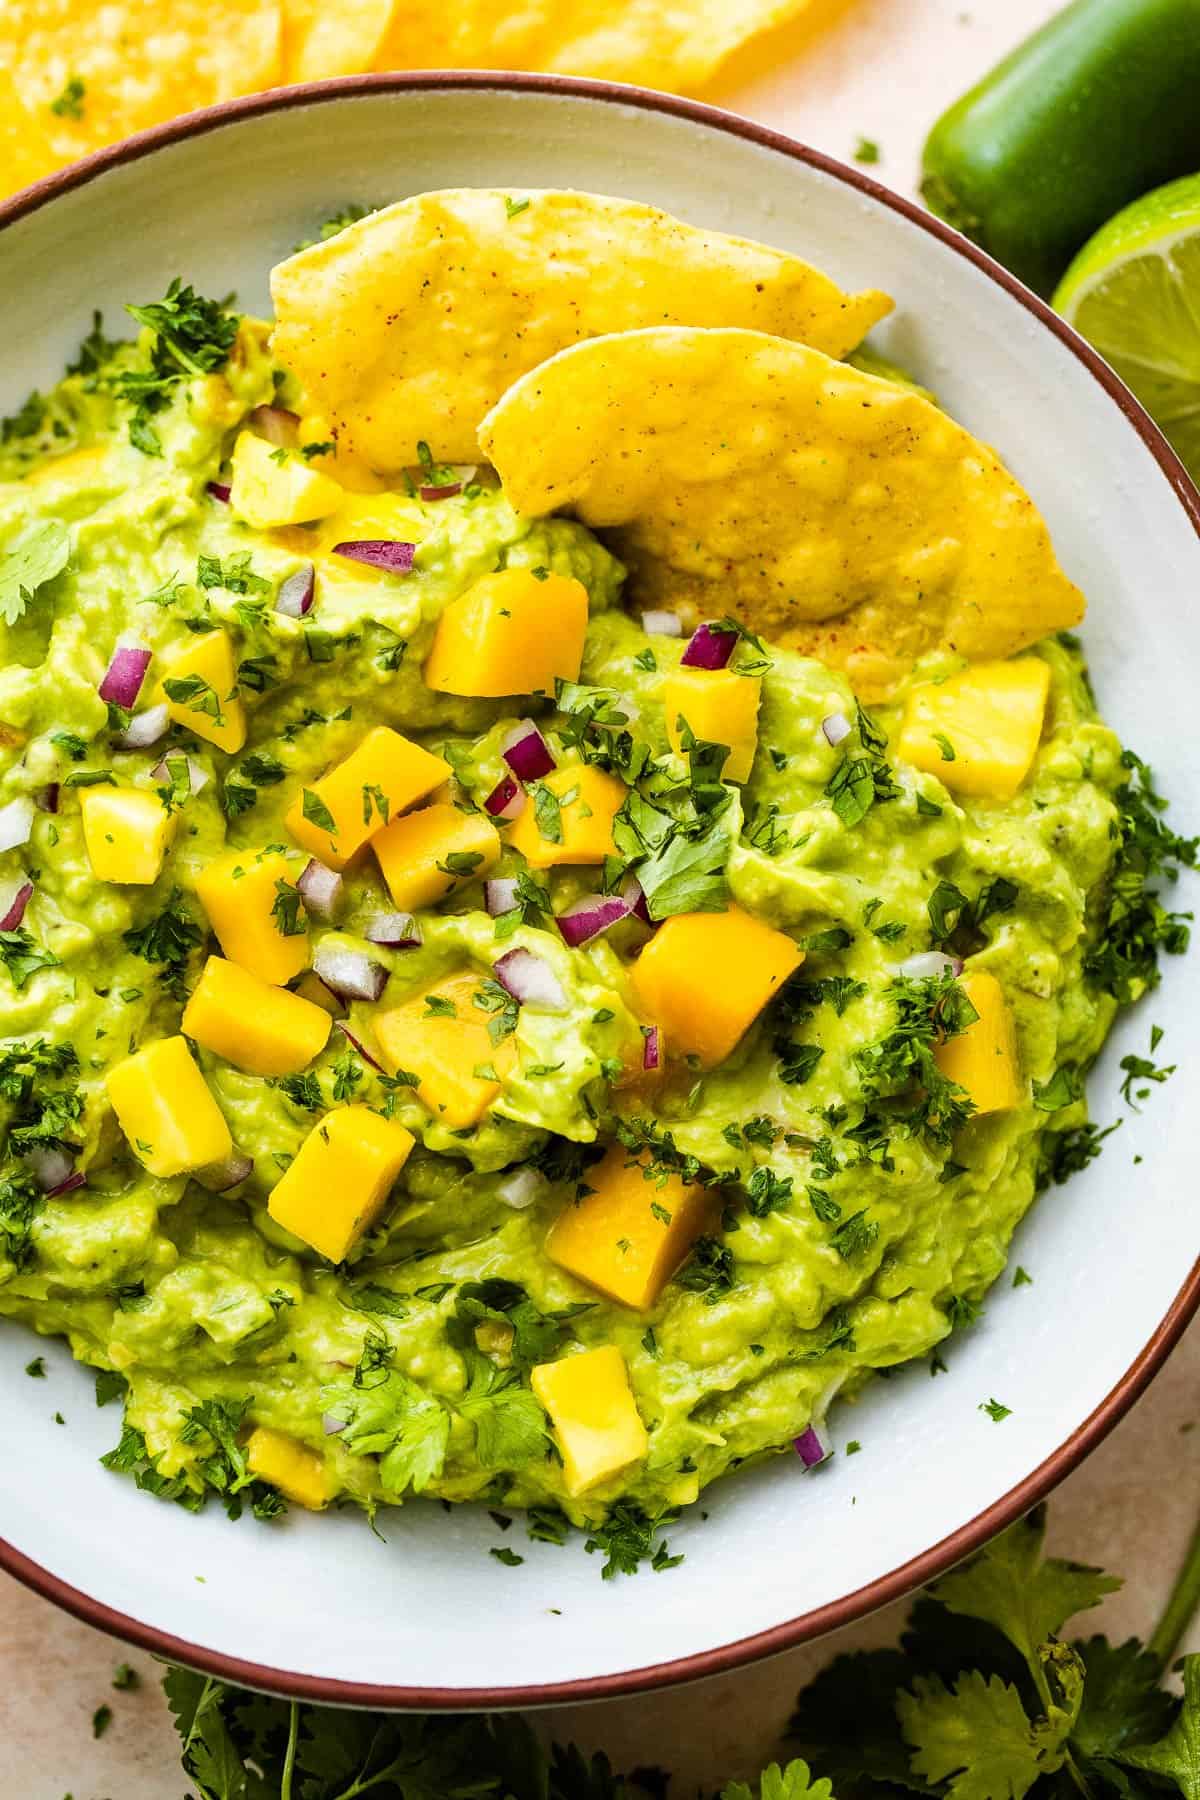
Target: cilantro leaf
(628,1537)
(1122,1701)
(1027,1598)
(978,1737)
(510,1426)
(1177,1755)
(39,551)
(396,1420)
(23,956)
(795,1782)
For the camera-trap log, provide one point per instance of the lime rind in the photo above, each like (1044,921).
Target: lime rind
(1133,292)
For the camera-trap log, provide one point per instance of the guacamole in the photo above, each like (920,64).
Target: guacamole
(560,1104)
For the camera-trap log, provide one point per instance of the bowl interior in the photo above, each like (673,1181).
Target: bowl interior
(323,1599)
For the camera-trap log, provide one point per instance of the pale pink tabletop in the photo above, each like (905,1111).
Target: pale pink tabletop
(880,69)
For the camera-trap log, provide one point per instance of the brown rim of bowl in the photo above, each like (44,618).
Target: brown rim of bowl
(968,1538)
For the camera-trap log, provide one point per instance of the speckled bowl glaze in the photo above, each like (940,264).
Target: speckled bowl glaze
(320,1607)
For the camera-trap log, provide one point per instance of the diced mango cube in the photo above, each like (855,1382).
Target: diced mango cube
(126,831)
(705,977)
(249,898)
(199,685)
(983,1059)
(511,633)
(255,1026)
(424,855)
(719,706)
(288,1465)
(628,1235)
(269,488)
(594,1415)
(164,1107)
(442,1037)
(384,775)
(978,731)
(589,799)
(340,1179)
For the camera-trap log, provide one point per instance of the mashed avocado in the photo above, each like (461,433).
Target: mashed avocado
(845,1192)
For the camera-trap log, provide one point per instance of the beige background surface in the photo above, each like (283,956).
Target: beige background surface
(881,69)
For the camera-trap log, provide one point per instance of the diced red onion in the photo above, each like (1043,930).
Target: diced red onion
(530,980)
(145,728)
(379,553)
(14,911)
(592,915)
(320,889)
(526,752)
(930,962)
(331,1424)
(220,490)
(276,424)
(75,1180)
(46,799)
(836,727)
(631,893)
(810,1449)
(50,1166)
(16,822)
(521,1188)
(197,777)
(295,594)
(662,624)
(506,800)
(709,648)
(126,672)
(500,894)
(395,930)
(462,472)
(356,1043)
(350,973)
(651,1048)
(220,1176)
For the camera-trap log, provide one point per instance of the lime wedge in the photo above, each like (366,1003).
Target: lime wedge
(1133,292)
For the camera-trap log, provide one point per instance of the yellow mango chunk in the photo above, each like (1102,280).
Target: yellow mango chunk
(342,1174)
(384,775)
(269,488)
(978,731)
(983,1059)
(589,799)
(705,977)
(719,706)
(423,855)
(247,895)
(199,685)
(257,1027)
(595,1417)
(510,633)
(288,1465)
(629,1235)
(126,831)
(164,1107)
(447,1045)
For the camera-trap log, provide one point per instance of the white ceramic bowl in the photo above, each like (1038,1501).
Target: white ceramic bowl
(320,1607)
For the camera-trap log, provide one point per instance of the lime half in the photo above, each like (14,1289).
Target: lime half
(1133,292)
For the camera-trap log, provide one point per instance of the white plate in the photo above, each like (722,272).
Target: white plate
(320,1606)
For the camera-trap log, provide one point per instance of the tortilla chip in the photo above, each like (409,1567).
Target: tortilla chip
(139,61)
(678,47)
(408,326)
(322,38)
(841,515)
(26,153)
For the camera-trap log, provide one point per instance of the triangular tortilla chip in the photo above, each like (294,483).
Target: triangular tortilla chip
(678,47)
(839,514)
(96,74)
(322,38)
(408,327)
